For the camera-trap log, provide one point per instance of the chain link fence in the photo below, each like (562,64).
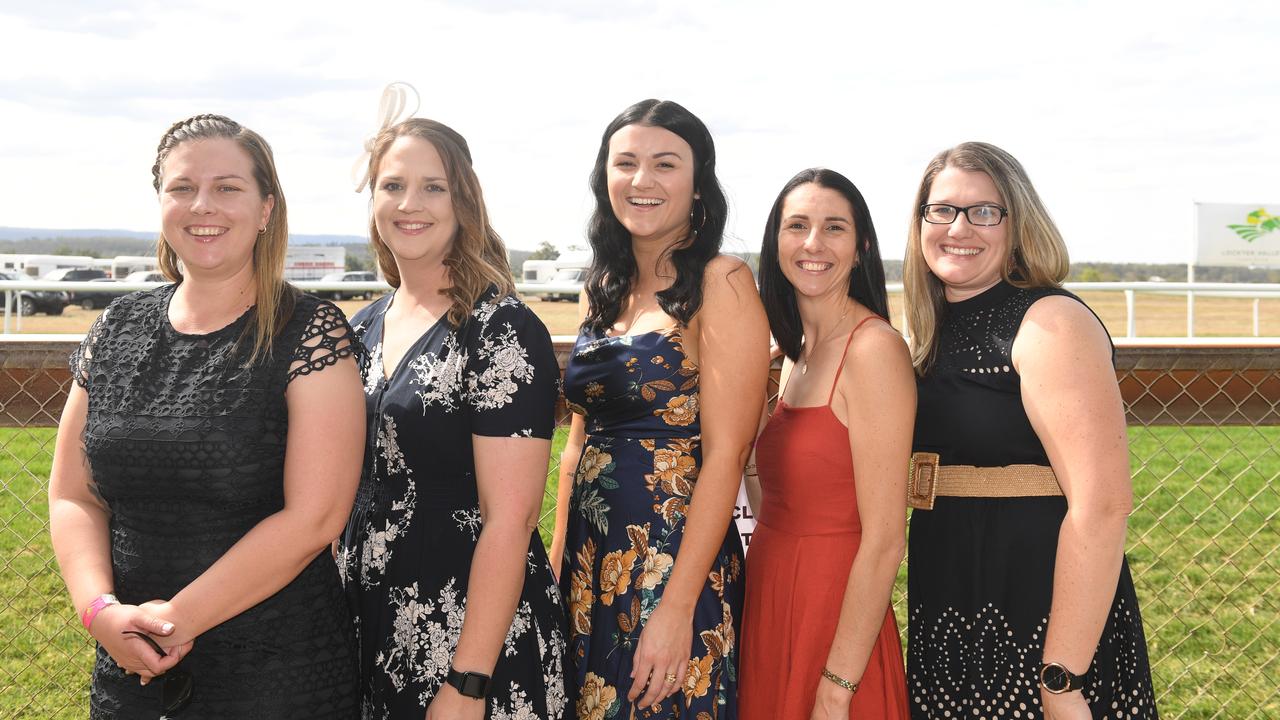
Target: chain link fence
(1204,542)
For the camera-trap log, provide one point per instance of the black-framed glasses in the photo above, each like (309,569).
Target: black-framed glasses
(983,215)
(176,684)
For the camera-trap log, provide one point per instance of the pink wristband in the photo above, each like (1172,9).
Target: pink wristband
(95,607)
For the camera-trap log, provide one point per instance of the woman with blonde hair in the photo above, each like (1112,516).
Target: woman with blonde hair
(457,612)
(208,456)
(1021,603)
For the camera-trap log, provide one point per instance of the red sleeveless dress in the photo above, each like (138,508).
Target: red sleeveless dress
(807,534)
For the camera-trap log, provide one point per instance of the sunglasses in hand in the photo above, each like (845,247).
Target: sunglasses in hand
(176,684)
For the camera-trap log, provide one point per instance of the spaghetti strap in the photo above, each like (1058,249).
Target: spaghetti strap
(836,380)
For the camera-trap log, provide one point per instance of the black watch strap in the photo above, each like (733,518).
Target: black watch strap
(1057,679)
(471,684)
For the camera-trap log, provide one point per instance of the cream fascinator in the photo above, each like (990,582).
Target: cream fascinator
(391,110)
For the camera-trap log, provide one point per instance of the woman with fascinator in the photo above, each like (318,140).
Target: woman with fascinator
(457,612)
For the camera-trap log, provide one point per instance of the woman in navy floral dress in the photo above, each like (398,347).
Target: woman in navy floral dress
(458,615)
(666,382)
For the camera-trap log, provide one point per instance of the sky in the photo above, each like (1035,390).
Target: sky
(1124,114)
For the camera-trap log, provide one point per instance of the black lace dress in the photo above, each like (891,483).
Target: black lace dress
(187,447)
(980,570)
(406,553)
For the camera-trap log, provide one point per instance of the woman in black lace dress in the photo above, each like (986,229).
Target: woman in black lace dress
(207,456)
(1021,603)
(457,614)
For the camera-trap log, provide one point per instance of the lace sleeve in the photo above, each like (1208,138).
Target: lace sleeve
(82,356)
(326,339)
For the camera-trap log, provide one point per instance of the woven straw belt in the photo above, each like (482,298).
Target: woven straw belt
(929,479)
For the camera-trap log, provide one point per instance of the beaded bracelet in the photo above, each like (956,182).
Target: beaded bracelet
(850,686)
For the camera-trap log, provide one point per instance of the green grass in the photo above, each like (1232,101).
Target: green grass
(45,655)
(1204,548)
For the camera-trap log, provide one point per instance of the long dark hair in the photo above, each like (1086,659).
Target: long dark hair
(613,263)
(866,281)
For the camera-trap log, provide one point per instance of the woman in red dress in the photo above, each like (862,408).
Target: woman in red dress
(819,639)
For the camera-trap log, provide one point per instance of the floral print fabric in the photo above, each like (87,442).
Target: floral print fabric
(405,557)
(630,501)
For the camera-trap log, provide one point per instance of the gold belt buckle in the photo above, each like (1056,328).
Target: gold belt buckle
(922,480)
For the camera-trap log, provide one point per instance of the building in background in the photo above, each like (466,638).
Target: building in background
(312,262)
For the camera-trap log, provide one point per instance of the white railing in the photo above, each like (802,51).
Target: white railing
(1254,291)
(13,309)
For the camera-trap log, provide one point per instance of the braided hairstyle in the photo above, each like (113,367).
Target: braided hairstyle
(274,298)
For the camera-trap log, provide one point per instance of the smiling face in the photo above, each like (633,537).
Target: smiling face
(211,208)
(650,182)
(412,204)
(817,243)
(968,259)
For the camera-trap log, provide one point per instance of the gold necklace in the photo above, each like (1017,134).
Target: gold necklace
(804,361)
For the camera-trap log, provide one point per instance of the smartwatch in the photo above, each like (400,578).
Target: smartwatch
(1055,678)
(470,684)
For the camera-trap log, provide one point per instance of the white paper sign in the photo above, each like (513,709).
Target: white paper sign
(1235,234)
(742,515)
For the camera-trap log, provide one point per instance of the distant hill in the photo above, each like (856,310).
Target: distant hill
(17,233)
(109,243)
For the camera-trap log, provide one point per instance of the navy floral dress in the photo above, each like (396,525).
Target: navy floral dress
(631,495)
(405,557)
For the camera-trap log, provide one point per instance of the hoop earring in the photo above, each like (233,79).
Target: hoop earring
(702,221)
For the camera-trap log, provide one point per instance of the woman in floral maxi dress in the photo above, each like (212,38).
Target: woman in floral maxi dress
(443,565)
(666,381)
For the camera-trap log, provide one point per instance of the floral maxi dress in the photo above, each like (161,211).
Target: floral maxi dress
(406,554)
(629,504)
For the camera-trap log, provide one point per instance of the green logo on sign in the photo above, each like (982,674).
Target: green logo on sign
(1260,222)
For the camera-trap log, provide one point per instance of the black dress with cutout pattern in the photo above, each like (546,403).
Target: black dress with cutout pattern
(186,444)
(980,570)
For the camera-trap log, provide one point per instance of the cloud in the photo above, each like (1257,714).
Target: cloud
(1117,111)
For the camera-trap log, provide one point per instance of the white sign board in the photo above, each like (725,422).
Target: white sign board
(743,517)
(1235,234)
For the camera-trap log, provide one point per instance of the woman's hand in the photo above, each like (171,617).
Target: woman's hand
(832,702)
(1067,706)
(449,704)
(131,653)
(662,653)
(180,632)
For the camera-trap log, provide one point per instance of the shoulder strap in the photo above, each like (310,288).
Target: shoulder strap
(840,368)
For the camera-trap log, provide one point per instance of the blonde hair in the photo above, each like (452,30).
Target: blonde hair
(274,298)
(1037,255)
(477,256)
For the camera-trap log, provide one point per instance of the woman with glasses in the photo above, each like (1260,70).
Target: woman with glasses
(208,456)
(819,639)
(1021,603)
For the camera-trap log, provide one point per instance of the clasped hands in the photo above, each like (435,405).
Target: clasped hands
(114,623)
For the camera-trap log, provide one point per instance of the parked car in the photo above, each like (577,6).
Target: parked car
(31,302)
(54,302)
(348,276)
(565,275)
(146,276)
(76,274)
(93,299)
(46,300)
